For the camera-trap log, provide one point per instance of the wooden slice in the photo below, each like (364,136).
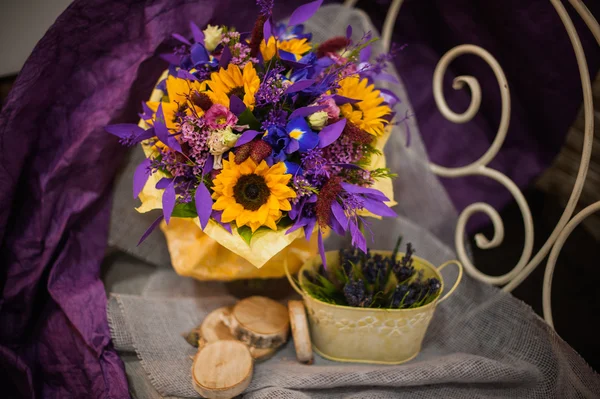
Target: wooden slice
(222,369)
(260,322)
(213,329)
(300,332)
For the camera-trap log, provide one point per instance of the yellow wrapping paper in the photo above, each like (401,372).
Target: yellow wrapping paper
(215,254)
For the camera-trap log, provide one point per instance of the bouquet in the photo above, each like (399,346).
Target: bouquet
(255,142)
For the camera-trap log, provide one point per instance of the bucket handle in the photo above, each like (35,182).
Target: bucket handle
(291,279)
(458,278)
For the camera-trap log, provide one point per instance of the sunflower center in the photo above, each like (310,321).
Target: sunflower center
(251,191)
(239,92)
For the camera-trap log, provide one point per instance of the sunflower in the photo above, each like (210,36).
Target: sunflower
(178,93)
(250,194)
(233,81)
(367,113)
(298,47)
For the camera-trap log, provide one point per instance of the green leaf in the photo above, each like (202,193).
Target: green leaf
(248,118)
(246,233)
(187,210)
(396,249)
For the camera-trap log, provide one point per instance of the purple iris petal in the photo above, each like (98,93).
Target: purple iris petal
(267,30)
(246,137)
(160,128)
(124,130)
(129,133)
(292,168)
(341,100)
(336,226)
(304,12)
(150,229)
(365,54)
(358,239)
(168,202)
(294,227)
(171,58)
(208,165)
(140,176)
(198,54)
(339,215)
(331,133)
(306,111)
(354,189)
(203,204)
(290,59)
(389,97)
(347,165)
(225,57)
(308,229)
(378,207)
(307,140)
(299,86)
(292,146)
(349,32)
(196,33)
(163,183)
(236,105)
(322,249)
(147,112)
(216,215)
(181,38)
(182,73)
(297,209)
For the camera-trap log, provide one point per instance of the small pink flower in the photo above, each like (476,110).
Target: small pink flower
(219,117)
(333,111)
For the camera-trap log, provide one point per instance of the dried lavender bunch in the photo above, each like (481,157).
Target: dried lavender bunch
(373,280)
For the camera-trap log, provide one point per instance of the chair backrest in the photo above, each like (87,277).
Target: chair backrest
(567,222)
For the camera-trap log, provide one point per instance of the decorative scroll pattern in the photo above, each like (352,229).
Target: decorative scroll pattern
(479,167)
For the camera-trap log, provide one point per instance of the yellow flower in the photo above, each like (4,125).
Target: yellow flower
(298,47)
(252,195)
(243,83)
(368,112)
(178,93)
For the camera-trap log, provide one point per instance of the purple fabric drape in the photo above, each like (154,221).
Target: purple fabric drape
(96,64)
(56,169)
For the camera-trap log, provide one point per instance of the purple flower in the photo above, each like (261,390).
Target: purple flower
(275,118)
(219,117)
(266,6)
(315,166)
(278,139)
(357,295)
(272,88)
(302,138)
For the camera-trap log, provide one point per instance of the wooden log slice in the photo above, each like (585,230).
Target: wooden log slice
(260,322)
(214,329)
(222,369)
(300,332)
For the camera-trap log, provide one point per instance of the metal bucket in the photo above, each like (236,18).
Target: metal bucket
(365,335)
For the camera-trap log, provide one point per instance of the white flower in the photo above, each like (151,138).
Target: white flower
(219,142)
(212,37)
(318,120)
